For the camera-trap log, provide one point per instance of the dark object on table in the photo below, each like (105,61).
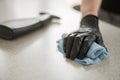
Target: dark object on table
(111,6)
(106,14)
(11,33)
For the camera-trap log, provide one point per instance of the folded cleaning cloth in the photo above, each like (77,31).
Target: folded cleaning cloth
(95,54)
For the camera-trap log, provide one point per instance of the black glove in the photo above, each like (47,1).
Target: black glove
(77,44)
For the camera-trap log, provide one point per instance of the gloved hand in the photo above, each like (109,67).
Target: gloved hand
(77,44)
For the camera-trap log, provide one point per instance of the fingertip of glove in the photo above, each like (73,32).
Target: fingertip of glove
(67,56)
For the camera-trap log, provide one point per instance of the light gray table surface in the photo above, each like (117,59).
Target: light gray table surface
(35,55)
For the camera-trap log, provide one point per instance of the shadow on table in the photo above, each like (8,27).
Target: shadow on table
(20,43)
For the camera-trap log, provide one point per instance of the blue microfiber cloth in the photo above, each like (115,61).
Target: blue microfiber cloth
(95,54)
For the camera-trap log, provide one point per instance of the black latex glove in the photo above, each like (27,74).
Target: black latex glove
(77,44)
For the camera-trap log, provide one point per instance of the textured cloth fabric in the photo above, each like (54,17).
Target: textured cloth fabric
(95,54)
